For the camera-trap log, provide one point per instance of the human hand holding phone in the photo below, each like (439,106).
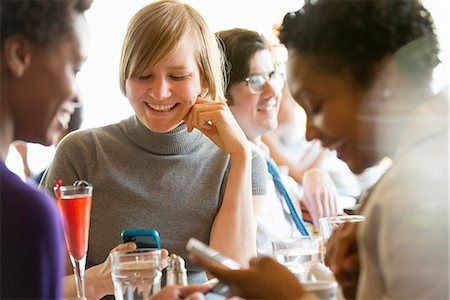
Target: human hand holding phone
(146,238)
(265,279)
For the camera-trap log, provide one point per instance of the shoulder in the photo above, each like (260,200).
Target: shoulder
(259,173)
(81,136)
(258,160)
(87,141)
(30,220)
(25,202)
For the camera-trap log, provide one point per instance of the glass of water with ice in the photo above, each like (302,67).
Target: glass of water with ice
(299,254)
(136,274)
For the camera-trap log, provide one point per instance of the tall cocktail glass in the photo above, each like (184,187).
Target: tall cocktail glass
(74,202)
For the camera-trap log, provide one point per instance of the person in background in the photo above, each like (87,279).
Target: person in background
(181,165)
(43,46)
(362,72)
(253,95)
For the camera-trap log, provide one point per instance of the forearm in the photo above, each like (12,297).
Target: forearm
(233,232)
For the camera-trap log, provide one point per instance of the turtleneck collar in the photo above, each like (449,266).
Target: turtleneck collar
(176,141)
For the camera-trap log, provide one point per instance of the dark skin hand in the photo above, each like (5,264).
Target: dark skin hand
(265,279)
(342,258)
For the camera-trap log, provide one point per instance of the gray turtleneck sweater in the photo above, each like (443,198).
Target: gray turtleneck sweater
(172,182)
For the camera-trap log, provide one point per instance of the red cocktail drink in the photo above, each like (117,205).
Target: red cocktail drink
(74,202)
(76,213)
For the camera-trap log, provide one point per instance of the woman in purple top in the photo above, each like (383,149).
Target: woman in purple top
(42,49)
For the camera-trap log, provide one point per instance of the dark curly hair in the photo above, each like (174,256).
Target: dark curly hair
(352,36)
(39,21)
(239,46)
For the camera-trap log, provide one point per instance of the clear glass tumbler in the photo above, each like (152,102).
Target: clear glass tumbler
(299,255)
(136,274)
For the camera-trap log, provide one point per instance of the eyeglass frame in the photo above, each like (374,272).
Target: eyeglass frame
(271,78)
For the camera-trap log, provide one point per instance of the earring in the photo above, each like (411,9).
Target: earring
(204,93)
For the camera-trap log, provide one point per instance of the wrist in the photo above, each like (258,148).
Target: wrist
(244,152)
(93,289)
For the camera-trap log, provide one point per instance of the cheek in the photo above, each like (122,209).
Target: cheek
(339,117)
(188,93)
(135,89)
(244,101)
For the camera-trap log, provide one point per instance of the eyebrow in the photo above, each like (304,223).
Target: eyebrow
(177,68)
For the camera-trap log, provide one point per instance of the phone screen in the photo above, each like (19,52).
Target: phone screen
(142,237)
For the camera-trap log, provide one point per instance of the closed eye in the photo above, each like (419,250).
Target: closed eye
(144,77)
(179,78)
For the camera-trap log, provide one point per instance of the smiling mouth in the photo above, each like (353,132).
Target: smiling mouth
(266,109)
(161,108)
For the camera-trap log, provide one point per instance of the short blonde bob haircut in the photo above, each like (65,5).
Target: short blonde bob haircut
(156,29)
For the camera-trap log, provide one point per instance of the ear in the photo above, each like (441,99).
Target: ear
(204,92)
(388,78)
(17,54)
(205,88)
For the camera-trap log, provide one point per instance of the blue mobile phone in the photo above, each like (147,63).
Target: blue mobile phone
(144,238)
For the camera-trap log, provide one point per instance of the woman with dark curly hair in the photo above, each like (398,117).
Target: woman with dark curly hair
(362,72)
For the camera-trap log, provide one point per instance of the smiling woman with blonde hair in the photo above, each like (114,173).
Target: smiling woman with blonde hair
(181,165)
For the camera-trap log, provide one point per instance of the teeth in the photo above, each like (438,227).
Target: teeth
(161,107)
(64,119)
(267,108)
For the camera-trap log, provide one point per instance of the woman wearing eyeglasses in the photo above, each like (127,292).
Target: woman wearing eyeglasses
(253,94)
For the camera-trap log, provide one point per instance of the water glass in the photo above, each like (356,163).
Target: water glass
(136,274)
(323,289)
(329,224)
(299,255)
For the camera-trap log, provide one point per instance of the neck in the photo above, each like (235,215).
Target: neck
(255,140)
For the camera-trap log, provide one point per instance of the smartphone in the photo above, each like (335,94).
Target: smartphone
(144,238)
(197,248)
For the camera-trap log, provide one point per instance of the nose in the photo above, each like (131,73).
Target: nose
(77,102)
(312,132)
(270,88)
(159,89)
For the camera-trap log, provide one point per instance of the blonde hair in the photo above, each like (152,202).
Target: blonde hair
(156,29)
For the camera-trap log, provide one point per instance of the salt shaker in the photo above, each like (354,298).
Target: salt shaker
(176,271)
